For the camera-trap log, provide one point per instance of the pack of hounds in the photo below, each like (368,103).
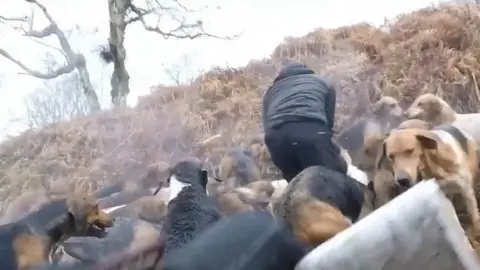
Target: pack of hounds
(205,215)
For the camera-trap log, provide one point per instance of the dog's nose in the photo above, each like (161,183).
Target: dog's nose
(403,182)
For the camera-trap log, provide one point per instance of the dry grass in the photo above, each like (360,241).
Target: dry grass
(432,50)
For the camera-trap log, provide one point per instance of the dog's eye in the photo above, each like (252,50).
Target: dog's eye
(94,209)
(391,156)
(420,104)
(409,152)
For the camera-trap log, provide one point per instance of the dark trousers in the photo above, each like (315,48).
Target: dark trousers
(296,146)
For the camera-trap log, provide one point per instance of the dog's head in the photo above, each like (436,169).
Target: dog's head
(237,168)
(387,107)
(262,188)
(413,151)
(185,173)
(426,107)
(87,218)
(372,143)
(188,172)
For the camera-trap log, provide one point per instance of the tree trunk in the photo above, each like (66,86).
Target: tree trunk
(120,78)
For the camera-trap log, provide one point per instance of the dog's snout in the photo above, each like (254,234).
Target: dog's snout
(403,182)
(403,179)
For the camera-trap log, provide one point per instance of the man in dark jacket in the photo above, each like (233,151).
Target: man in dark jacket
(298,117)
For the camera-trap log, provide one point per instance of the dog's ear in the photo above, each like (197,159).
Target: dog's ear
(218,179)
(160,186)
(370,186)
(440,160)
(71,220)
(77,211)
(379,108)
(204,177)
(428,140)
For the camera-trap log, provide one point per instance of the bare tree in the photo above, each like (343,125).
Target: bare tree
(180,73)
(60,99)
(74,61)
(125,12)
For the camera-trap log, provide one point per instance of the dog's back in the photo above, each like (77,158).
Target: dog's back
(191,212)
(351,139)
(21,246)
(325,185)
(249,241)
(469,123)
(8,258)
(320,203)
(239,165)
(361,135)
(462,144)
(128,235)
(24,241)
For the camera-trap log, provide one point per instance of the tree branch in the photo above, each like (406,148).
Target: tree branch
(183,31)
(139,16)
(46,76)
(75,61)
(13,19)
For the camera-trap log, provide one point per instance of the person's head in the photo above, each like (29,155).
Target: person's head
(292,68)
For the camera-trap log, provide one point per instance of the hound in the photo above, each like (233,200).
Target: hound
(386,115)
(128,191)
(238,168)
(382,184)
(190,210)
(319,203)
(435,110)
(33,239)
(137,226)
(128,235)
(444,153)
(149,208)
(255,195)
(26,203)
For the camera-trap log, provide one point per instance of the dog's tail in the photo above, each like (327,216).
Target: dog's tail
(317,222)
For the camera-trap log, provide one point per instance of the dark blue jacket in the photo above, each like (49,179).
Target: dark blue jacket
(298,95)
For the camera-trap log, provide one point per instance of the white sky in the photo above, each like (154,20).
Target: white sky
(264,24)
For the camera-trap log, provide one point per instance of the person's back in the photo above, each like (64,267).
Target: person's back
(298,118)
(297,94)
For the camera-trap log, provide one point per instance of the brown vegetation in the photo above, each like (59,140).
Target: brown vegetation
(432,50)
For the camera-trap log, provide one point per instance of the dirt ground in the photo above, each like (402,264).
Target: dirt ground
(433,50)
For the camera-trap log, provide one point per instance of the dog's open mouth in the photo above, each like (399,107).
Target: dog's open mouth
(98,229)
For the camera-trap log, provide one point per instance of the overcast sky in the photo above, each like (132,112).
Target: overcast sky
(264,25)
